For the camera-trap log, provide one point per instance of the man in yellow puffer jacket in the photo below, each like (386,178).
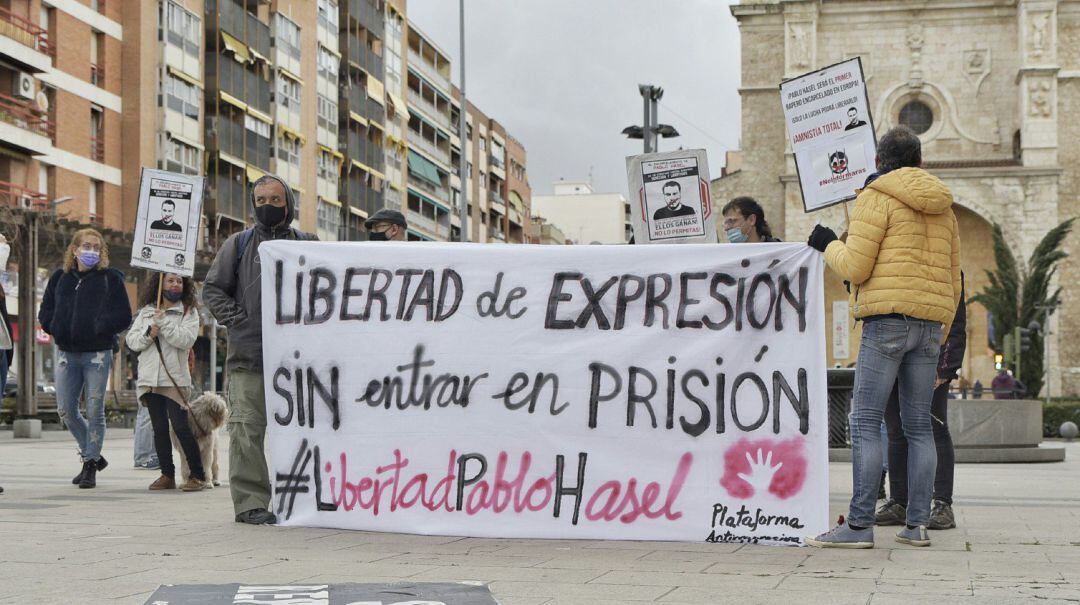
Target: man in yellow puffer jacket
(902,257)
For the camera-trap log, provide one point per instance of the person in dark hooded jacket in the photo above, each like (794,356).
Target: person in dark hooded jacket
(232,292)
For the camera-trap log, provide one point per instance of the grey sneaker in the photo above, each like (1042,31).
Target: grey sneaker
(891,512)
(842,536)
(914,537)
(941,516)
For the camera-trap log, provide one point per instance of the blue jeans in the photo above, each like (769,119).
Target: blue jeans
(903,352)
(144,439)
(74,372)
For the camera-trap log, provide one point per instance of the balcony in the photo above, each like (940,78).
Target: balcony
(431,111)
(21,115)
(97,147)
(25,32)
(365,13)
(428,226)
(438,193)
(14,196)
(424,67)
(433,151)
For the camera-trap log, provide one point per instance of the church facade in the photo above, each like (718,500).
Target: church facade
(992,87)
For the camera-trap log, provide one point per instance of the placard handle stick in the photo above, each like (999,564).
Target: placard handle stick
(160,283)
(847,218)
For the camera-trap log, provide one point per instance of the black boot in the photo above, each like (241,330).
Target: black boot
(101,464)
(89,475)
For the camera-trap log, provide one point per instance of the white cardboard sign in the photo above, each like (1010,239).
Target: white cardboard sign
(831,132)
(671,202)
(167,223)
(601,392)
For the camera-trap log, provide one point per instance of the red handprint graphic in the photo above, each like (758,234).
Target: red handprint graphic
(753,467)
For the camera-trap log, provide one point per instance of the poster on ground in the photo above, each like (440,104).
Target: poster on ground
(831,132)
(396,593)
(671,202)
(167,223)
(600,392)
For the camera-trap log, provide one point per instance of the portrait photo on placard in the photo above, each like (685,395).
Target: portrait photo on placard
(672,199)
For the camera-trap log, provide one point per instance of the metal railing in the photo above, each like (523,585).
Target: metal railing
(439,154)
(440,194)
(431,110)
(22,115)
(12,195)
(25,32)
(426,69)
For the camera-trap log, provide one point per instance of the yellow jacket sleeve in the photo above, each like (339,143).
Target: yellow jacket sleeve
(854,260)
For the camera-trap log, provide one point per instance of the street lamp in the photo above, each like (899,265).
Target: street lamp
(650,128)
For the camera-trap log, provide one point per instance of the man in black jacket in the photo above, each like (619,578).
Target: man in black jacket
(233,294)
(894,510)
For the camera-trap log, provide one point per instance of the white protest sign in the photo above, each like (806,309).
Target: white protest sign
(547,391)
(671,202)
(831,132)
(167,223)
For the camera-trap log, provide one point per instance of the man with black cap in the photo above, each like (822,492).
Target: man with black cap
(232,292)
(386,225)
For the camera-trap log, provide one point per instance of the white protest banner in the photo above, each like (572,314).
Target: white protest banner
(671,198)
(547,391)
(831,132)
(167,223)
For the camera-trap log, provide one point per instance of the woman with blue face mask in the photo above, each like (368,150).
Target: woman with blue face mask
(84,308)
(744,222)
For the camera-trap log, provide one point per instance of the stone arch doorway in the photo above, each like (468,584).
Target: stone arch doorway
(976,258)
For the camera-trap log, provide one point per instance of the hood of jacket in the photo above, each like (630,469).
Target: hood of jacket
(290,208)
(915,188)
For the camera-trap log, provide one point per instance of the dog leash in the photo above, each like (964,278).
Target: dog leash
(185,404)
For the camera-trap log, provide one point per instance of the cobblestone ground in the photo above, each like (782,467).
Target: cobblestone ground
(1018,541)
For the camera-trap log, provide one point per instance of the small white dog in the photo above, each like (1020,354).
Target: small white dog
(207,414)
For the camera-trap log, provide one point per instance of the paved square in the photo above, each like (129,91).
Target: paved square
(1018,541)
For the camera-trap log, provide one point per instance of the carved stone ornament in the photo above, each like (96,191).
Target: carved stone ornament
(916,37)
(1039,99)
(1038,33)
(976,66)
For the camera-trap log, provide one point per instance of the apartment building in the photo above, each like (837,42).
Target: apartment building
(60,109)
(346,100)
(584,216)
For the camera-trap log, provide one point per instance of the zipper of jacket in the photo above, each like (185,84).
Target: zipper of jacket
(78,282)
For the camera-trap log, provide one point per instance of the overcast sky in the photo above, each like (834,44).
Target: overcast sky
(562,77)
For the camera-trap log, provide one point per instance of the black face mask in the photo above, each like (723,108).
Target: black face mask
(378,236)
(173,295)
(270,216)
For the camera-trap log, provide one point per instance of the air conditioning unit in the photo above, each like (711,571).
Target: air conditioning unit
(25,202)
(23,86)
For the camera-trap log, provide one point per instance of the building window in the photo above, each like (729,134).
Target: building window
(328,221)
(917,116)
(184,28)
(183,158)
(257,126)
(288,150)
(182,97)
(328,65)
(327,113)
(288,93)
(327,168)
(287,36)
(328,14)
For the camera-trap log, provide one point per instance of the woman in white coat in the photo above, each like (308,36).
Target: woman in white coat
(163,337)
